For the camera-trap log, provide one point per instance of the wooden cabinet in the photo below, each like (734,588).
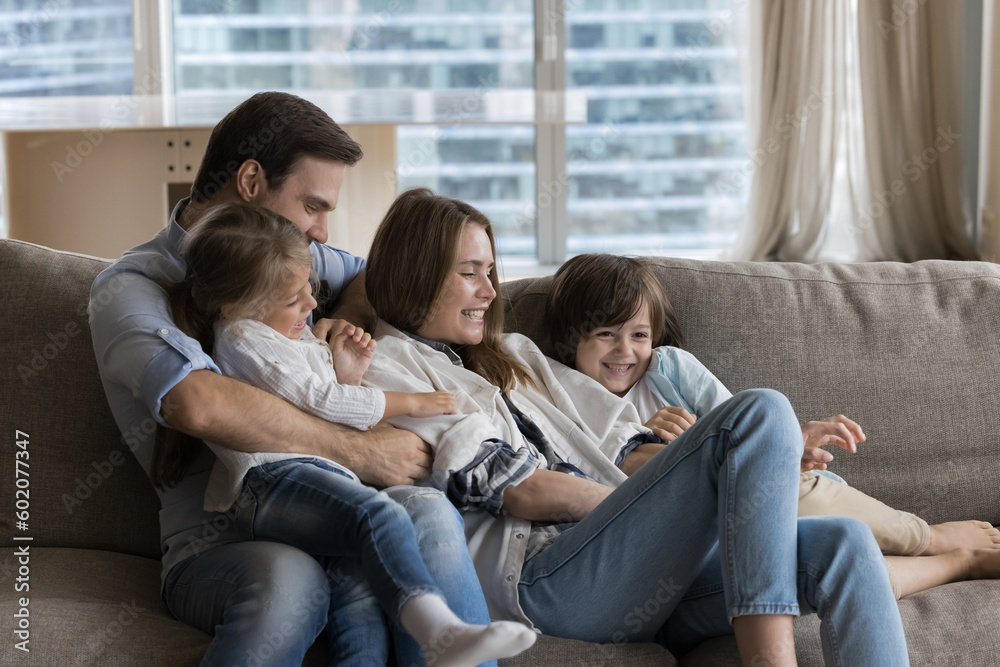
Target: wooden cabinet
(103,191)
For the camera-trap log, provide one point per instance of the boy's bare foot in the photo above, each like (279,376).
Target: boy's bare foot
(962,535)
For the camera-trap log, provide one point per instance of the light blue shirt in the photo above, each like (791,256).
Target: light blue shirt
(677,378)
(142,355)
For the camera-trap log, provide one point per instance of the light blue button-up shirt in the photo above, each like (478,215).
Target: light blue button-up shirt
(142,355)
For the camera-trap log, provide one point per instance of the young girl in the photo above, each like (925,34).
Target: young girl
(609,318)
(247,295)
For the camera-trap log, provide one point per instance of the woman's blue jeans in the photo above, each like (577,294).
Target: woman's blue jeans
(707,531)
(265,602)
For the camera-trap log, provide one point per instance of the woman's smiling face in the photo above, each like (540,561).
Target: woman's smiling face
(459,315)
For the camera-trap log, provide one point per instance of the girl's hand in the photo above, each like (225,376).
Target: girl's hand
(669,422)
(353,349)
(326,329)
(838,430)
(433,404)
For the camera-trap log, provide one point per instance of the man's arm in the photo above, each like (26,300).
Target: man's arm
(213,407)
(353,306)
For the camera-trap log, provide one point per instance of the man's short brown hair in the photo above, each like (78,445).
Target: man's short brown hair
(275,129)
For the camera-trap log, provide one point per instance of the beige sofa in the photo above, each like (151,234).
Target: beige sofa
(911,351)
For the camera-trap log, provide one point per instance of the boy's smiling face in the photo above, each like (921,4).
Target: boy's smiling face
(617,356)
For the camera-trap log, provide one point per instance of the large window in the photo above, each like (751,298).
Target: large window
(69,47)
(460,50)
(652,170)
(64,48)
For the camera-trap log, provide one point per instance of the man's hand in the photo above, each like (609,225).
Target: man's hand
(669,422)
(838,430)
(392,456)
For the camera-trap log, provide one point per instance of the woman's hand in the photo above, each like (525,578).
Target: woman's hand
(837,430)
(554,496)
(353,349)
(432,404)
(669,422)
(639,456)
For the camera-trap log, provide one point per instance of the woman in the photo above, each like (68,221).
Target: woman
(579,521)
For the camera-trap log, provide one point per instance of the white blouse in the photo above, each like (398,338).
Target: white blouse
(299,371)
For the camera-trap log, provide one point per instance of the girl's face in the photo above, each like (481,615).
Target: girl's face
(459,315)
(617,356)
(286,313)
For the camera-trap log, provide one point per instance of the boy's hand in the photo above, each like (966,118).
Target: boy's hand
(353,349)
(434,403)
(837,430)
(669,422)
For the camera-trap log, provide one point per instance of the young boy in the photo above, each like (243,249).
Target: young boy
(609,318)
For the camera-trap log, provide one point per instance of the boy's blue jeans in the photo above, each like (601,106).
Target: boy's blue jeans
(707,531)
(266,602)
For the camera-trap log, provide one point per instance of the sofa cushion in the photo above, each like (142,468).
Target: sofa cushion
(88,490)
(558,652)
(910,351)
(948,625)
(92,608)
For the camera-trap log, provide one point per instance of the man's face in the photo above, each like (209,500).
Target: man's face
(307,196)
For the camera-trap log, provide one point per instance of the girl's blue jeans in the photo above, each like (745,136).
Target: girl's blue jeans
(265,601)
(707,531)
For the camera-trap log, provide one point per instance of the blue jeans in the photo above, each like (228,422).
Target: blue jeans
(266,602)
(707,531)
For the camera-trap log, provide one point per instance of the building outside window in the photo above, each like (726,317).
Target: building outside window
(64,48)
(652,171)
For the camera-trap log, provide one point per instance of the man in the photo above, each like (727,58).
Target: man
(264,602)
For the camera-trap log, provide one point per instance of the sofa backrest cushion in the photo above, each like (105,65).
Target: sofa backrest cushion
(86,489)
(909,351)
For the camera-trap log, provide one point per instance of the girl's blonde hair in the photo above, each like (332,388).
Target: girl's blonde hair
(598,290)
(238,256)
(411,261)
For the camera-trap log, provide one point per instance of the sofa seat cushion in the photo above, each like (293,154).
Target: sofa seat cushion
(557,652)
(90,607)
(948,625)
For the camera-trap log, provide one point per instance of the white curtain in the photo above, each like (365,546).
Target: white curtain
(853,114)
(911,86)
(989,154)
(793,108)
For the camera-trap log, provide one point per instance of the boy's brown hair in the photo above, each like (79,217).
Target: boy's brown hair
(599,290)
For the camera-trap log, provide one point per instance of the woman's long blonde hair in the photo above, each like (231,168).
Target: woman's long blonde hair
(238,256)
(412,259)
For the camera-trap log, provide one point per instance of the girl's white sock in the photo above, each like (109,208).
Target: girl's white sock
(448,641)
